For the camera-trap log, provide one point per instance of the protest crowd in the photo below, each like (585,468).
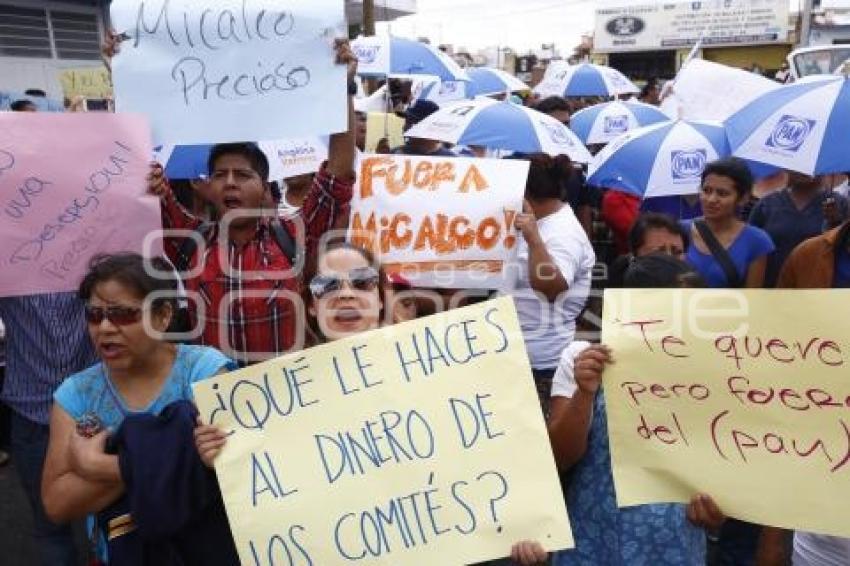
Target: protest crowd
(103,429)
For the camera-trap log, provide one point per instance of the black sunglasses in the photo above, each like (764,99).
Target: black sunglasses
(119,316)
(360,279)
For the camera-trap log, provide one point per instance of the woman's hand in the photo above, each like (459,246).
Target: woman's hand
(156,180)
(589,366)
(526,223)
(345,56)
(209,440)
(528,553)
(703,512)
(87,454)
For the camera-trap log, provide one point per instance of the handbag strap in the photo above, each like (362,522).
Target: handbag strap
(720,254)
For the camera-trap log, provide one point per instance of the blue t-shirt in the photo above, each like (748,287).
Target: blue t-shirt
(91,390)
(751,244)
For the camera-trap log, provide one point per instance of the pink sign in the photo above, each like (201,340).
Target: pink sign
(71,186)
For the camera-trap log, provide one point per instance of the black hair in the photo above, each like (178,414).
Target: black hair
(546,175)
(649,86)
(277,195)
(21,105)
(130,270)
(553,104)
(249,150)
(732,168)
(654,221)
(35,92)
(660,271)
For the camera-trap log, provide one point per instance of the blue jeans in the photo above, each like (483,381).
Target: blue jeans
(54,543)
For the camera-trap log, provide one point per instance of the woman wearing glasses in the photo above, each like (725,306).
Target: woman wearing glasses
(344,299)
(127,309)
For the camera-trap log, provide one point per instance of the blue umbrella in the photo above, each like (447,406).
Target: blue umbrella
(388,55)
(584,80)
(500,125)
(486,81)
(801,127)
(664,159)
(188,161)
(43,104)
(602,123)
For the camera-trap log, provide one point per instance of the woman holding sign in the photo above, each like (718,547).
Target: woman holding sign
(344,300)
(664,534)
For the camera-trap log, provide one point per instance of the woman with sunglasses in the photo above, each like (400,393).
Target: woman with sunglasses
(128,308)
(344,299)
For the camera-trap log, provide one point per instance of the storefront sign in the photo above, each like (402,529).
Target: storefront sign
(672,25)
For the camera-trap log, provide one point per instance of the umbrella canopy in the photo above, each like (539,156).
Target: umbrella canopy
(485,81)
(801,127)
(286,158)
(500,125)
(664,159)
(441,92)
(585,80)
(387,55)
(602,123)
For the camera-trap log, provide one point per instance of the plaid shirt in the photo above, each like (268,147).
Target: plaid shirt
(250,308)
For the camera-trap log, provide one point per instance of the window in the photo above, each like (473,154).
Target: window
(49,33)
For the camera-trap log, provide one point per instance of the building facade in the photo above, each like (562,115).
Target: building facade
(646,39)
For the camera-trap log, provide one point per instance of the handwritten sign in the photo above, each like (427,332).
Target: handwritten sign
(398,446)
(71,186)
(710,91)
(91,82)
(383,125)
(232,70)
(734,394)
(441,221)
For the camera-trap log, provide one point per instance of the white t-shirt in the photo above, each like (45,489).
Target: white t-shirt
(549,327)
(820,550)
(564,381)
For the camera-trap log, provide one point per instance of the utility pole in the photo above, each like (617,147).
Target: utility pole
(368,17)
(805,22)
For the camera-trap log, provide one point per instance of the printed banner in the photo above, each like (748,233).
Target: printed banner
(398,446)
(71,186)
(719,392)
(440,221)
(92,82)
(233,70)
(635,26)
(289,158)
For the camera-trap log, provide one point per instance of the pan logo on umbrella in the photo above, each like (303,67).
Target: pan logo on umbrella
(686,165)
(616,124)
(367,54)
(790,133)
(556,134)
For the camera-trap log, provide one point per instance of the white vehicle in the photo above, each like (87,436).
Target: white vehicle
(819,60)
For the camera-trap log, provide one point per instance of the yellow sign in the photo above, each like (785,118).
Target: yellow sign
(92,82)
(417,444)
(382,125)
(743,395)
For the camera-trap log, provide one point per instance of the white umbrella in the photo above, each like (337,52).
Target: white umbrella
(500,125)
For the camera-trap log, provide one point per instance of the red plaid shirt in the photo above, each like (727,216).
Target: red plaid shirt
(249,309)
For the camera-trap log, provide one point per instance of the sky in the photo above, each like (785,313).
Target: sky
(520,24)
